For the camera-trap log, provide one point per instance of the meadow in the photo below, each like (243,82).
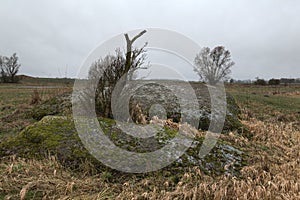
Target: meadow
(16,101)
(272,114)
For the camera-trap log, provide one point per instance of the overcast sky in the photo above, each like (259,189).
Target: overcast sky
(53,37)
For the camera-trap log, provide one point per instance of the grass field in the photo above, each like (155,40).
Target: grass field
(273,172)
(266,102)
(15,103)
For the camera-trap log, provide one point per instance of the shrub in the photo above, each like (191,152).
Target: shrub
(260,82)
(274,81)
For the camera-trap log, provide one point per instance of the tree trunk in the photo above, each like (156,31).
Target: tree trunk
(129,44)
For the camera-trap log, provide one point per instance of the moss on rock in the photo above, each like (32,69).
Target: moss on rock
(56,135)
(53,135)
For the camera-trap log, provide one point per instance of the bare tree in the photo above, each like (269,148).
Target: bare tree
(213,65)
(3,75)
(9,68)
(1,69)
(114,68)
(109,69)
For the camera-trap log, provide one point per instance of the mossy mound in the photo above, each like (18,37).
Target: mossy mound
(56,135)
(53,135)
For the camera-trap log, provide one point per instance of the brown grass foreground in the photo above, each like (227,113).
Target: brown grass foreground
(273,173)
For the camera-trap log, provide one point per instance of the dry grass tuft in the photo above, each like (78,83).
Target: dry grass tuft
(35,98)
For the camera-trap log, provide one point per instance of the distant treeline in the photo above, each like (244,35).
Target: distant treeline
(29,79)
(273,81)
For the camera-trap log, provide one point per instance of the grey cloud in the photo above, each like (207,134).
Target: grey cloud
(54,37)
